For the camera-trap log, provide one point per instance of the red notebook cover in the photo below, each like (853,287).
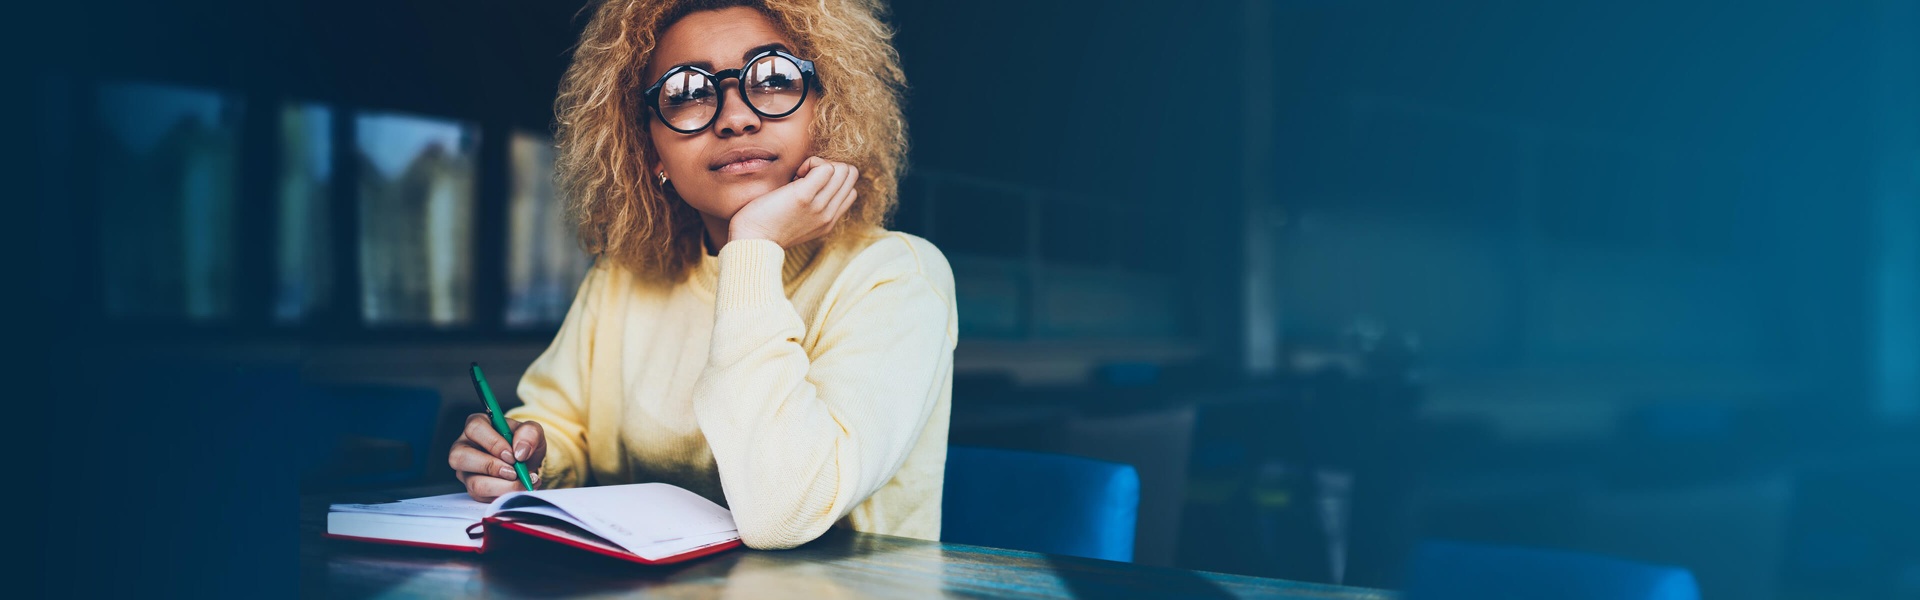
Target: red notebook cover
(492,526)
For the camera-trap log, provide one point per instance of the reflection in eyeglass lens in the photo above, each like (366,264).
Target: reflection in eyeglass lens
(774,87)
(687,100)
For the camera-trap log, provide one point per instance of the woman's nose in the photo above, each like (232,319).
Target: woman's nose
(736,118)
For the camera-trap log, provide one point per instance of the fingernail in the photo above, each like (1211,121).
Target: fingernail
(506,473)
(536,480)
(521,452)
(507,456)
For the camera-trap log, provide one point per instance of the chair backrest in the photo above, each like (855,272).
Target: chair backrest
(1446,570)
(1039,502)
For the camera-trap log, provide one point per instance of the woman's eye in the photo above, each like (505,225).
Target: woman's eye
(688,96)
(775,82)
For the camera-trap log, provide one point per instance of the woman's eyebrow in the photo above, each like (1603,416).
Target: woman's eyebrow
(743,57)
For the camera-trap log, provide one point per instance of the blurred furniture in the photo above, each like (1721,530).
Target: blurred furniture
(840,564)
(1853,534)
(1127,417)
(1039,502)
(1155,442)
(1446,570)
(1306,476)
(361,435)
(1699,480)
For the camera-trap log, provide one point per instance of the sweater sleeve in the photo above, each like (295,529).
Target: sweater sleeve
(800,441)
(554,387)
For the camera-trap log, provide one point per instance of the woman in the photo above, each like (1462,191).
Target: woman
(748,331)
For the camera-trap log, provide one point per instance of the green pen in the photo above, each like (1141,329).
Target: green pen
(499,420)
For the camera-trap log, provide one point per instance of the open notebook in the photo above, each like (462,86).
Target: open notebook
(650,523)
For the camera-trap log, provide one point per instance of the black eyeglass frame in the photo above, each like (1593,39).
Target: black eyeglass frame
(809,81)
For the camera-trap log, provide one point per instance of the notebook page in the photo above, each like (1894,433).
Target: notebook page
(555,513)
(452,506)
(459,501)
(671,547)
(650,552)
(527,507)
(633,516)
(573,534)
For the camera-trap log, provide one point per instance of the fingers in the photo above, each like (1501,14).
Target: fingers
(833,201)
(485,476)
(837,208)
(480,432)
(807,167)
(486,489)
(529,443)
(838,180)
(815,173)
(471,460)
(816,179)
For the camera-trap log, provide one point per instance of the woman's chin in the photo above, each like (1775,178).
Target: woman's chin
(728,197)
(736,196)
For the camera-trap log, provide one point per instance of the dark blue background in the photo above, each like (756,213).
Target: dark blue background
(1653,264)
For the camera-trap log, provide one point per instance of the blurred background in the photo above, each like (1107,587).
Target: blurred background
(1631,277)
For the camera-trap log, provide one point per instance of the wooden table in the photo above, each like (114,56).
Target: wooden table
(841,564)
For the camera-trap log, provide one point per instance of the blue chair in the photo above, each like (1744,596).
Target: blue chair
(1445,570)
(1038,502)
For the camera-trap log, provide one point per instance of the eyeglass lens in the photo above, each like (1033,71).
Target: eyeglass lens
(690,100)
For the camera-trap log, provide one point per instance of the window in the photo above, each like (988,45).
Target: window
(544,263)
(416,219)
(303,278)
(168,157)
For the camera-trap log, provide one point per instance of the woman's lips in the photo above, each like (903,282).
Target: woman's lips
(750,165)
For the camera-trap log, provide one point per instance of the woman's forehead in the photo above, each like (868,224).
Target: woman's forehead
(715,39)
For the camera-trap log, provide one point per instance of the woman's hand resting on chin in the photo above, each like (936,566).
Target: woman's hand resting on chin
(801,211)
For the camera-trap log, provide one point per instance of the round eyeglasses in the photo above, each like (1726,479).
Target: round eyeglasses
(688,98)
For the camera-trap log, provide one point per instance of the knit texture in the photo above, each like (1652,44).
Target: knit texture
(801,389)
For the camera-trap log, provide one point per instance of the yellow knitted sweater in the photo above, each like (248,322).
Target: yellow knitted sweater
(798,388)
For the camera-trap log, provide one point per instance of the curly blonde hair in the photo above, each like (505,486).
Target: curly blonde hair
(604,142)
